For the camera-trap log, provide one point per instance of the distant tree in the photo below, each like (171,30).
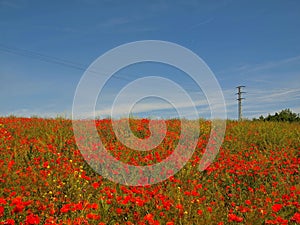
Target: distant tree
(284,115)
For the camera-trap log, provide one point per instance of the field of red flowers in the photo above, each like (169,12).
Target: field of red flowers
(45,180)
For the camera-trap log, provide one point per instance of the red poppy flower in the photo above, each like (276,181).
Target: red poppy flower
(119,211)
(1,210)
(234,218)
(276,207)
(93,216)
(66,208)
(9,222)
(95,185)
(296,217)
(199,212)
(170,223)
(248,202)
(149,217)
(32,219)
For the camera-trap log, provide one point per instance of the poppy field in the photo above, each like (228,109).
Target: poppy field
(44,178)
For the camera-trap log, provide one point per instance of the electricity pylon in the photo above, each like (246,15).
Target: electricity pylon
(239,99)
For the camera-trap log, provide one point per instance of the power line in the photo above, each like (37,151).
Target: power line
(41,57)
(56,60)
(50,59)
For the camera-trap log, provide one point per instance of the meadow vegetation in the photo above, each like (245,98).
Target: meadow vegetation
(45,180)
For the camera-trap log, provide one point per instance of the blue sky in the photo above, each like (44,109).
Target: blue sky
(46,46)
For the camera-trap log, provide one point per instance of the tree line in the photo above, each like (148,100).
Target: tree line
(284,115)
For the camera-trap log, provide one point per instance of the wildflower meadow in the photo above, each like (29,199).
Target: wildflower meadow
(44,178)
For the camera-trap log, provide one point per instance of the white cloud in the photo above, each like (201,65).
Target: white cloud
(275,95)
(149,106)
(250,68)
